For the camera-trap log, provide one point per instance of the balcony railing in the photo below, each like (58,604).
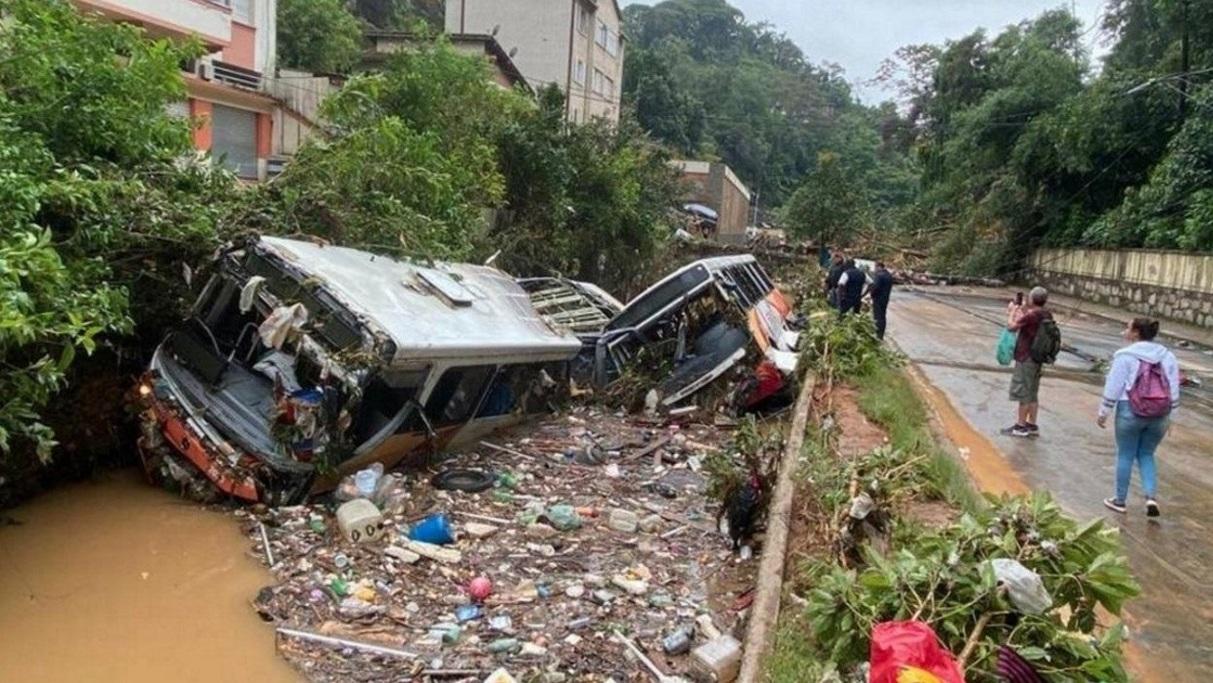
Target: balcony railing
(223,72)
(237,76)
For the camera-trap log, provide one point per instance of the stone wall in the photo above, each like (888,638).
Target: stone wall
(1163,284)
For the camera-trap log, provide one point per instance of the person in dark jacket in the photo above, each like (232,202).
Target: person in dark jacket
(836,270)
(879,290)
(850,288)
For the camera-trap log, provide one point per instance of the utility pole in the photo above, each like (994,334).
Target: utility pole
(1185,56)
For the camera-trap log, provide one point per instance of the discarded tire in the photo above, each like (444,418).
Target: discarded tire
(468,481)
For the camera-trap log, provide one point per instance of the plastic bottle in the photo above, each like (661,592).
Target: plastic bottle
(368,479)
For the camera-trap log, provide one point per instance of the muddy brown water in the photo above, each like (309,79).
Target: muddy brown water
(114,580)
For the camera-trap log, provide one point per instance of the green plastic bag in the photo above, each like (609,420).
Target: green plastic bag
(1006,347)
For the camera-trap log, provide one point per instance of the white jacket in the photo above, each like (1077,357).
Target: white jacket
(1125,365)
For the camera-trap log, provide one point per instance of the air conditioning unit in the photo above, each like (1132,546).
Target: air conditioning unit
(206,69)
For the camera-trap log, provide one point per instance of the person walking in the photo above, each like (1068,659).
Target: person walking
(850,288)
(1143,389)
(1037,343)
(835,273)
(879,290)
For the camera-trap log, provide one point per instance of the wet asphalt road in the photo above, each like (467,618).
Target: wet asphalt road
(951,338)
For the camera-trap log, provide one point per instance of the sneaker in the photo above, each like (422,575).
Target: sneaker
(1017,430)
(1114,505)
(1152,508)
(1033,428)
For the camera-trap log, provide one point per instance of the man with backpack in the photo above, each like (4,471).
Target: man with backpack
(1143,388)
(1037,343)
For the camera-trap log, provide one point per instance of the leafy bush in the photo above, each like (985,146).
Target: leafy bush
(95,209)
(944,579)
(318,35)
(841,347)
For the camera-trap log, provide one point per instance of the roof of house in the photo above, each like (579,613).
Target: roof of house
(431,311)
(492,48)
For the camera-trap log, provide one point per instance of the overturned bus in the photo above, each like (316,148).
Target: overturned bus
(301,362)
(711,317)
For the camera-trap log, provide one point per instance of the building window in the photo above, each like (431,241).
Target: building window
(242,11)
(599,82)
(583,20)
(579,73)
(602,35)
(612,46)
(234,139)
(609,89)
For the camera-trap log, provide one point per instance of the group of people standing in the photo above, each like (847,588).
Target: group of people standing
(1141,390)
(847,285)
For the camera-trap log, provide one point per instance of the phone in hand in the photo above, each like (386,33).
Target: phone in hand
(1019,298)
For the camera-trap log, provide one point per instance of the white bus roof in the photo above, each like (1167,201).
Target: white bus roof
(432,312)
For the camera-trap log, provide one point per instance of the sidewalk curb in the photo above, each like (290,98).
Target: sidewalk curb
(764,614)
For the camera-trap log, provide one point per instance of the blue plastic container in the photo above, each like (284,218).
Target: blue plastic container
(435,529)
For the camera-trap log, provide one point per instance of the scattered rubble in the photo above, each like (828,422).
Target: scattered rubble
(559,572)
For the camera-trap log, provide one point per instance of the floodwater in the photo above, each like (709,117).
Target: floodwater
(114,580)
(951,338)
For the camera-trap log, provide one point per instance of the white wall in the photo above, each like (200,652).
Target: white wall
(265,16)
(209,20)
(539,29)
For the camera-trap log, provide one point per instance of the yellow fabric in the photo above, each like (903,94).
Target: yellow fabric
(911,674)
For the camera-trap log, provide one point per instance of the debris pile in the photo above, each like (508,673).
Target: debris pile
(592,554)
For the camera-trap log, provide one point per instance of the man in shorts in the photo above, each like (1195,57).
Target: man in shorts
(1025,379)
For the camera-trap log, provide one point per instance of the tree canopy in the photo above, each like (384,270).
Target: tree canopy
(1022,144)
(318,35)
(709,84)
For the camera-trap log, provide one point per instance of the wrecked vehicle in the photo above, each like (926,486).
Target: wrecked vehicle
(701,320)
(301,363)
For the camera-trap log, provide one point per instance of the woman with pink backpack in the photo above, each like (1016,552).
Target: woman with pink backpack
(1143,388)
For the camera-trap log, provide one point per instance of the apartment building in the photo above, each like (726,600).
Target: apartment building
(226,88)
(577,45)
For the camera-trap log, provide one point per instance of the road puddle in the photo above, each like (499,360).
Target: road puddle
(114,580)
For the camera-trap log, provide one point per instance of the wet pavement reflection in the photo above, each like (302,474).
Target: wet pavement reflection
(951,339)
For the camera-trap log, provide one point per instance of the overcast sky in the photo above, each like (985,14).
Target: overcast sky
(859,34)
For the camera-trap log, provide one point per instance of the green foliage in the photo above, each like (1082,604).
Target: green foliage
(754,450)
(96,212)
(887,398)
(828,207)
(585,201)
(941,574)
(410,165)
(1020,147)
(318,35)
(944,579)
(399,14)
(840,348)
(709,84)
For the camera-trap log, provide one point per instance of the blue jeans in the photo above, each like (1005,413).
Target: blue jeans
(1136,440)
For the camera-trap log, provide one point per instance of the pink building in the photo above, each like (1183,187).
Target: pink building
(226,88)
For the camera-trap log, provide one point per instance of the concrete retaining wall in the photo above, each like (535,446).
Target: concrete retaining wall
(1164,284)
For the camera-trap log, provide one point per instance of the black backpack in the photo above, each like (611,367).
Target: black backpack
(1047,343)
